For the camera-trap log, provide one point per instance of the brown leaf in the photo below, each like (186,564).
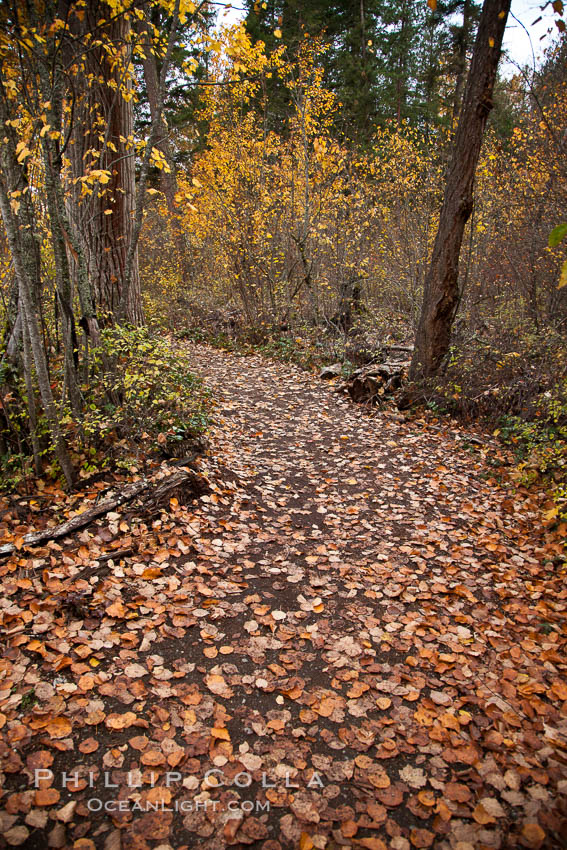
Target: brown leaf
(16,835)
(391,796)
(481,816)
(89,745)
(379,780)
(422,838)
(456,792)
(304,808)
(152,758)
(426,798)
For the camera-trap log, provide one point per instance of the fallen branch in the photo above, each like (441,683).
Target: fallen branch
(179,482)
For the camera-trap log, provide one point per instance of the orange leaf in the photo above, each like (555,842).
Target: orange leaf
(58,727)
(47,796)
(349,828)
(426,798)
(372,843)
(120,721)
(559,689)
(117,609)
(533,833)
(153,758)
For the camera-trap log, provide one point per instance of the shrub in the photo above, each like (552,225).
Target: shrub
(148,398)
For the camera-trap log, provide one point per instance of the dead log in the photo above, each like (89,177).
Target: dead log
(371,383)
(184,486)
(181,485)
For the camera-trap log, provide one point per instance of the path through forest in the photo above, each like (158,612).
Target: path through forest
(356,629)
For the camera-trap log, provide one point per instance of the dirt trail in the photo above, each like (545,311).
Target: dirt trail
(359,633)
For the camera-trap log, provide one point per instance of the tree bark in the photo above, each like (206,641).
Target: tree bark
(103,221)
(441,291)
(131,260)
(24,251)
(25,269)
(463,43)
(167,179)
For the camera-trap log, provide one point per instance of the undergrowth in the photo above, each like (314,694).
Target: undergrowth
(514,381)
(140,401)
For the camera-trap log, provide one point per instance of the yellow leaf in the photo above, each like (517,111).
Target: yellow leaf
(491,41)
(102,176)
(563,276)
(22,151)
(221,733)
(278,33)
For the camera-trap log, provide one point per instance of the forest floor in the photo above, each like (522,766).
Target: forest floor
(358,629)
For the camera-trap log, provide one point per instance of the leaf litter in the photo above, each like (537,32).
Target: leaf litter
(354,639)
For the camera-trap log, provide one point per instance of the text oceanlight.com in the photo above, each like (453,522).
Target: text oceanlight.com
(95,804)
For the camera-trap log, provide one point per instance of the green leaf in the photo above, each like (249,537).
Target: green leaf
(557,235)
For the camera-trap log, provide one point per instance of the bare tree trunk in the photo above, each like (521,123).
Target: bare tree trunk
(23,256)
(32,413)
(20,227)
(131,261)
(64,292)
(462,60)
(103,221)
(441,293)
(167,179)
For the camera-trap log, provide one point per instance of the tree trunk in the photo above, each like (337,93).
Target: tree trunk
(32,413)
(131,261)
(23,254)
(167,179)
(441,292)
(463,43)
(103,139)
